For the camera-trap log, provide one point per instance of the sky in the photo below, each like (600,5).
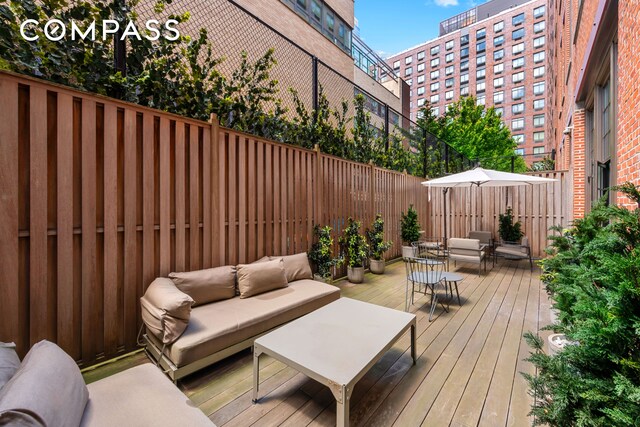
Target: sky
(389,27)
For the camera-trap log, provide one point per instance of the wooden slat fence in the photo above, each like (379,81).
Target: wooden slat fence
(538,207)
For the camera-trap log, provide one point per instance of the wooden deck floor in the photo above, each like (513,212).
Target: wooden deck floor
(468,371)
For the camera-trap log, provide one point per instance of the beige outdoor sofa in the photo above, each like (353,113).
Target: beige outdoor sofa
(232,306)
(47,389)
(467,250)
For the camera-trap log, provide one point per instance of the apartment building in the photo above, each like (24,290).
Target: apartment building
(495,52)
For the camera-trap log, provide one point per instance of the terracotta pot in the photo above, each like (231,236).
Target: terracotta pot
(408,252)
(376,266)
(355,274)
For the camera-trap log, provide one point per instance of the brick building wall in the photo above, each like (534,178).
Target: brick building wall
(426,88)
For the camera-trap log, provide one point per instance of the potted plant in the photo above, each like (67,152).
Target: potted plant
(409,231)
(377,245)
(321,254)
(354,247)
(509,232)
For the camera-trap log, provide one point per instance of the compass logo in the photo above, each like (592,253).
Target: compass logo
(56,30)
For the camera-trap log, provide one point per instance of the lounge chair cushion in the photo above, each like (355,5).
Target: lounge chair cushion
(484,237)
(296,267)
(209,285)
(513,251)
(165,310)
(215,327)
(254,279)
(139,397)
(263,259)
(9,362)
(47,390)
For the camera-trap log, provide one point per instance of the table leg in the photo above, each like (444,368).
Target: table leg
(256,374)
(342,409)
(413,343)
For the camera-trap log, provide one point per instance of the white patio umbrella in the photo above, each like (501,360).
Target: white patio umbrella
(481,177)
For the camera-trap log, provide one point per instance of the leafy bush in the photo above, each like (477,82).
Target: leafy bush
(593,277)
(354,245)
(508,230)
(409,226)
(321,251)
(377,245)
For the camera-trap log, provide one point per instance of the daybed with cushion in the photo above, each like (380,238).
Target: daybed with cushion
(195,319)
(47,389)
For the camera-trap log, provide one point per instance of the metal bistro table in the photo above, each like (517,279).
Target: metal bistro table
(336,345)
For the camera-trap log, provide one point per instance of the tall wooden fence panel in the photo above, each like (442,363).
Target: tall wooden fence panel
(537,207)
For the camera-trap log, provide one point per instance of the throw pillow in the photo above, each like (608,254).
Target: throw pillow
(165,310)
(254,279)
(209,285)
(296,267)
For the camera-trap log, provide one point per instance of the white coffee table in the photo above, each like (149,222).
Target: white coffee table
(336,345)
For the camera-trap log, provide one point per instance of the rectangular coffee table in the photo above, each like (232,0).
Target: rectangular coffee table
(336,345)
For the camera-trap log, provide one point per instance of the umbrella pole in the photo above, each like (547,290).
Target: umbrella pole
(444,204)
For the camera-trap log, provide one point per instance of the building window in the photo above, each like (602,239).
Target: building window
(323,19)
(519,138)
(498,41)
(481,100)
(481,33)
(449,70)
(538,151)
(517,34)
(435,74)
(498,68)
(517,109)
(464,52)
(517,124)
(539,11)
(480,87)
(517,77)
(519,151)
(435,50)
(517,92)
(498,97)
(420,55)
(464,90)
(499,111)
(517,63)
(449,82)
(434,99)
(538,57)
(517,48)
(498,26)
(480,60)
(464,78)
(481,73)
(408,60)
(518,19)
(538,121)
(421,79)
(435,86)
(396,65)
(481,46)
(421,102)
(408,71)
(538,88)
(448,95)
(538,42)
(464,39)
(538,137)
(498,54)
(435,111)
(435,62)
(420,90)
(538,72)
(464,65)
(538,104)
(449,57)
(539,27)
(420,67)
(498,82)
(410,82)
(448,45)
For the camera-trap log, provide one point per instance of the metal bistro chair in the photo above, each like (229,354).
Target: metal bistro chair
(425,275)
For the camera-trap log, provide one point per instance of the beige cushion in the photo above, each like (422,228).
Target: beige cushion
(47,390)
(254,279)
(139,397)
(9,362)
(296,267)
(512,250)
(263,259)
(205,286)
(456,243)
(483,236)
(214,327)
(165,310)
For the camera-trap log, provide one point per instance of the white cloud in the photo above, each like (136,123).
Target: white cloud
(446,3)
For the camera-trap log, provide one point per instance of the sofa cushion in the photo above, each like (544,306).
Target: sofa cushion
(139,397)
(254,279)
(9,362)
(263,259)
(165,310)
(205,286)
(214,327)
(47,390)
(296,267)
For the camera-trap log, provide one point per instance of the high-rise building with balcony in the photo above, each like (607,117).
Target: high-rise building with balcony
(495,52)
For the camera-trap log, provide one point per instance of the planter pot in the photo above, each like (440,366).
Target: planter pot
(408,252)
(355,274)
(376,266)
(557,342)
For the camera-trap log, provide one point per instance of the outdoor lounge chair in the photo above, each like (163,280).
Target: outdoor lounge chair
(468,250)
(515,251)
